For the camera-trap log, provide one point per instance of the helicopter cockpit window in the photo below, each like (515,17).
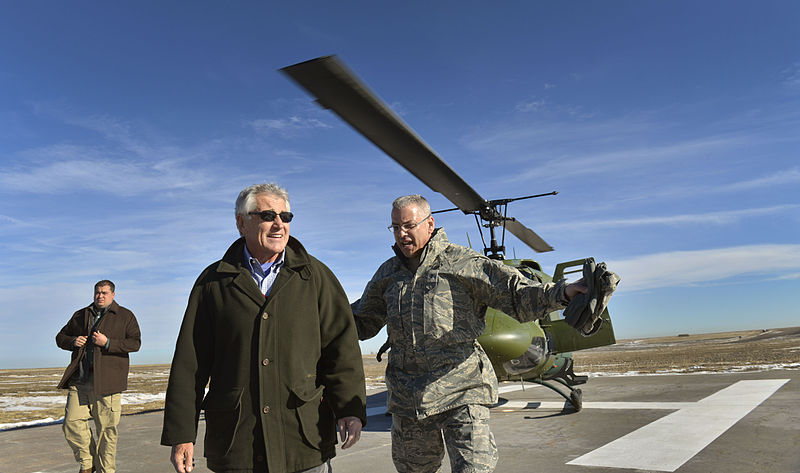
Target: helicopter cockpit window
(533,357)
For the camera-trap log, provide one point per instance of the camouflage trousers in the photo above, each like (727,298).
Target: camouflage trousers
(417,444)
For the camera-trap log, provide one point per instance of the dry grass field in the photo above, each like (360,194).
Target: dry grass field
(747,350)
(31,394)
(27,395)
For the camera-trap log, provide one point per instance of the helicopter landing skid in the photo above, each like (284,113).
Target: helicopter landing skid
(575,396)
(570,377)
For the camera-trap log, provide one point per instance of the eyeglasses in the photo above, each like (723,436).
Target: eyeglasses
(269,215)
(406,227)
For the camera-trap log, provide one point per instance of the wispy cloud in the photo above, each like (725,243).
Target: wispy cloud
(783,177)
(565,124)
(544,107)
(708,218)
(791,76)
(701,267)
(773,181)
(68,168)
(532,105)
(159,243)
(11,221)
(630,157)
(113,129)
(285,126)
(567,145)
(130,159)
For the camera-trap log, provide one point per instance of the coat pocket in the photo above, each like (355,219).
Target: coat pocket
(223,411)
(314,416)
(448,316)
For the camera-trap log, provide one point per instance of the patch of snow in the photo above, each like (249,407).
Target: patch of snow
(33,423)
(699,370)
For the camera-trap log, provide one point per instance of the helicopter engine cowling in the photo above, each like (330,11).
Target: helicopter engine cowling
(504,338)
(515,349)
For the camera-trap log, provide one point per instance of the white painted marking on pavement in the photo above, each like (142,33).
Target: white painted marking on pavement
(506,405)
(379,411)
(517,387)
(525,405)
(511,405)
(520,405)
(668,443)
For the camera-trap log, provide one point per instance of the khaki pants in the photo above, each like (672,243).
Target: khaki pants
(83,405)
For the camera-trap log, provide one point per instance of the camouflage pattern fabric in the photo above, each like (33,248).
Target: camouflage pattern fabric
(417,445)
(433,318)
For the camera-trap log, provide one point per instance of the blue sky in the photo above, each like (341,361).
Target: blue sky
(670,129)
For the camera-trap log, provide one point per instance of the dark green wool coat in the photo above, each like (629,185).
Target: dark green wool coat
(281,369)
(111,364)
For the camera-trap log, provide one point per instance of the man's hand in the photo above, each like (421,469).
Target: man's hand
(573,289)
(182,457)
(349,431)
(80,341)
(99,339)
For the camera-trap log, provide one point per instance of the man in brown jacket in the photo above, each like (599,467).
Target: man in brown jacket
(270,327)
(100,337)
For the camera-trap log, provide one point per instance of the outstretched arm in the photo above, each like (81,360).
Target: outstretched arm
(505,288)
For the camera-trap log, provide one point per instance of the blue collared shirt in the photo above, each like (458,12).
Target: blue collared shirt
(263,274)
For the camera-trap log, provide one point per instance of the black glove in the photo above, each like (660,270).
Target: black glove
(584,310)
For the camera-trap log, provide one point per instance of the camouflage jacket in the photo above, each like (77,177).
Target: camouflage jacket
(433,318)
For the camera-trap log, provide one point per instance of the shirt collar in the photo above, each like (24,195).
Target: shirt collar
(257,267)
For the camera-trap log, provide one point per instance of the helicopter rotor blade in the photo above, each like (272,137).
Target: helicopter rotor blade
(338,89)
(528,236)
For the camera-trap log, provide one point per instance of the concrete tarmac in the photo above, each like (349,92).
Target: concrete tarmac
(704,423)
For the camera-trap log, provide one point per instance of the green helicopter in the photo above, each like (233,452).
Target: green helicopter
(539,351)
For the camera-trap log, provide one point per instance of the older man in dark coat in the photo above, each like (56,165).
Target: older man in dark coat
(271,328)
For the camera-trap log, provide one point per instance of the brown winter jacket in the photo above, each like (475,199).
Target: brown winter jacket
(110,364)
(282,369)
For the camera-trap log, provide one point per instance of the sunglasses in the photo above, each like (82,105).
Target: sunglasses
(269,215)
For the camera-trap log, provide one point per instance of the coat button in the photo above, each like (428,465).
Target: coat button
(265,361)
(265,410)
(264,315)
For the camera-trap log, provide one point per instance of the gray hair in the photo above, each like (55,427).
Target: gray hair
(413,199)
(246,201)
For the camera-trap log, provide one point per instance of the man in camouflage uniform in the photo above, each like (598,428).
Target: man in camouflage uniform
(432,296)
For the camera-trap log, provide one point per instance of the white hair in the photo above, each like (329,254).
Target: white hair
(246,201)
